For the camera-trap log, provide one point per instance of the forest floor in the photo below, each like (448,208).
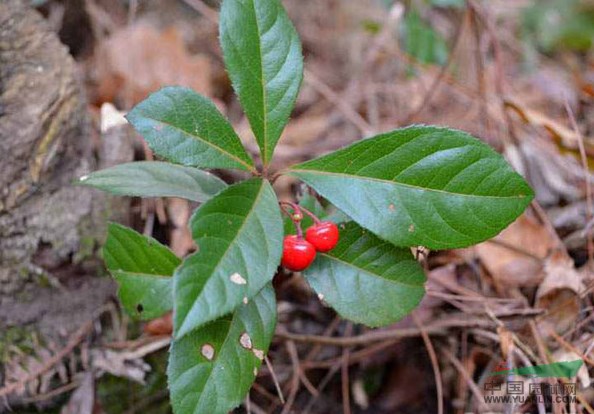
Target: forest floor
(519,76)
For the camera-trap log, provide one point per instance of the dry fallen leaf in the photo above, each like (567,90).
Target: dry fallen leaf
(439,280)
(554,176)
(559,294)
(566,136)
(509,267)
(139,59)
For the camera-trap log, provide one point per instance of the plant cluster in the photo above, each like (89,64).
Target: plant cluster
(417,186)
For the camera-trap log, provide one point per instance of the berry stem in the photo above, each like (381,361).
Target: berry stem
(312,215)
(295,217)
(298,209)
(298,228)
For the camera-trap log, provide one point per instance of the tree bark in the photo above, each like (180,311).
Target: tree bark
(45,146)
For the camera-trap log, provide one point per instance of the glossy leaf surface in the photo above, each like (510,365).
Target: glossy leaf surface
(143,268)
(421,185)
(239,237)
(262,54)
(186,128)
(212,369)
(367,280)
(156,179)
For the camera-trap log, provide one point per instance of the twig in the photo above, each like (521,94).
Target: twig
(434,362)
(321,387)
(248,406)
(499,67)
(480,71)
(516,350)
(570,347)
(344,374)
(132,11)
(53,393)
(256,409)
(440,75)
(292,350)
(544,219)
(477,298)
(436,328)
(78,336)
(347,110)
(584,160)
(275,380)
(389,26)
(328,332)
(354,358)
(266,394)
(584,403)
(159,343)
(544,355)
(469,381)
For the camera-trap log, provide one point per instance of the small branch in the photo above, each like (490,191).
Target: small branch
(570,347)
(470,382)
(292,350)
(77,338)
(434,362)
(437,328)
(347,110)
(584,160)
(438,79)
(275,380)
(344,374)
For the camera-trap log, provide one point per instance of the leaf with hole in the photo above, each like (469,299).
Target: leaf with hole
(143,268)
(426,186)
(262,54)
(367,280)
(186,128)
(212,369)
(239,237)
(156,179)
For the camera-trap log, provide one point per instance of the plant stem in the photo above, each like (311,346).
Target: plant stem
(295,217)
(298,209)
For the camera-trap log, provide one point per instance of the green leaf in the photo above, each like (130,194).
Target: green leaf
(156,179)
(144,296)
(262,54)
(427,186)
(239,237)
(366,279)
(212,369)
(186,128)
(142,266)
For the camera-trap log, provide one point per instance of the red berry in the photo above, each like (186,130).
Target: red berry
(298,253)
(323,236)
